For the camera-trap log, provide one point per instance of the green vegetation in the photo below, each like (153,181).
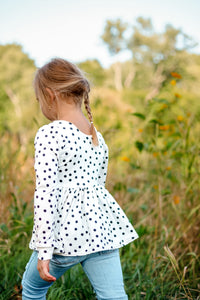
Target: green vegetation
(148,110)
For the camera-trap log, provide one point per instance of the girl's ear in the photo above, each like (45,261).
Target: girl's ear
(51,94)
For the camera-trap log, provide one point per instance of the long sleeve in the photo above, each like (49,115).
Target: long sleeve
(45,197)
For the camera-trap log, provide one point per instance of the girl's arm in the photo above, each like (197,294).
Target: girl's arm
(45,197)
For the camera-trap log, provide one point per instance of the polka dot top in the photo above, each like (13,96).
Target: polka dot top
(74,214)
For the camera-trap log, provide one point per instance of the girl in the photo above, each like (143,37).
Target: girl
(76,220)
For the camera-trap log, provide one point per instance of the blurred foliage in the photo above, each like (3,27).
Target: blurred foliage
(154,55)
(113,35)
(93,71)
(16,75)
(148,110)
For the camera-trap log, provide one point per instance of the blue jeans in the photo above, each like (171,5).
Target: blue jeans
(102,268)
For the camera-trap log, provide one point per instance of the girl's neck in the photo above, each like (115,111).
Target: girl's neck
(68,111)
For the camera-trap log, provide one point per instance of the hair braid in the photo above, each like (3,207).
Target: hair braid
(88,109)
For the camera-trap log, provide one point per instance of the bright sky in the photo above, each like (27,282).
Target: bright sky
(72,28)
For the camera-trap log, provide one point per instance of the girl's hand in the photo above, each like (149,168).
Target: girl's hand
(43,268)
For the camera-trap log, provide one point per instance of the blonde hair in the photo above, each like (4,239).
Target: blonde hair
(65,78)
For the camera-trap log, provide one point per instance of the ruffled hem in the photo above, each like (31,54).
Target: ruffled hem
(88,220)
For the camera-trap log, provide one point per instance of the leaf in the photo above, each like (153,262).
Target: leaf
(139,145)
(176,134)
(36,121)
(4,227)
(155,121)
(119,186)
(178,154)
(133,190)
(166,192)
(169,145)
(142,229)
(134,167)
(139,115)
(161,100)
(194,210)
(144,207)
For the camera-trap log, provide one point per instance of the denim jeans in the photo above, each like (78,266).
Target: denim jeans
(102,268)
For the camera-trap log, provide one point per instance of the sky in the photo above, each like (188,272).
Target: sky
(71,29)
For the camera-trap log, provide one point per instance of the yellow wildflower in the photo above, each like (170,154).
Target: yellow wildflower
(177,95)
(155,154)
(125,158)
(164,106)
(176,75)
(176,199)
(168,168)
(180,118)
(155,187)
(164,127)
(173,82)
(140,130)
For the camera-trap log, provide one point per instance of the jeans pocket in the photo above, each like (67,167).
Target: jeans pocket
(64,260)
(56,260)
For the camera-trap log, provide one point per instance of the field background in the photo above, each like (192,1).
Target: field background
(148,110)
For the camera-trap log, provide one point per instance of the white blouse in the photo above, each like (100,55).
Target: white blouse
(74,214)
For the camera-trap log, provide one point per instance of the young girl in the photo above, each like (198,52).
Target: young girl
(76,220)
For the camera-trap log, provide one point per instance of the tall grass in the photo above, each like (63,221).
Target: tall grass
(153,173)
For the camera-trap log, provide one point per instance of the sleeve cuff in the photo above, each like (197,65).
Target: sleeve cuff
(45,253)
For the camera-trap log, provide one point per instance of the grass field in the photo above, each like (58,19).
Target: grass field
(153,173)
